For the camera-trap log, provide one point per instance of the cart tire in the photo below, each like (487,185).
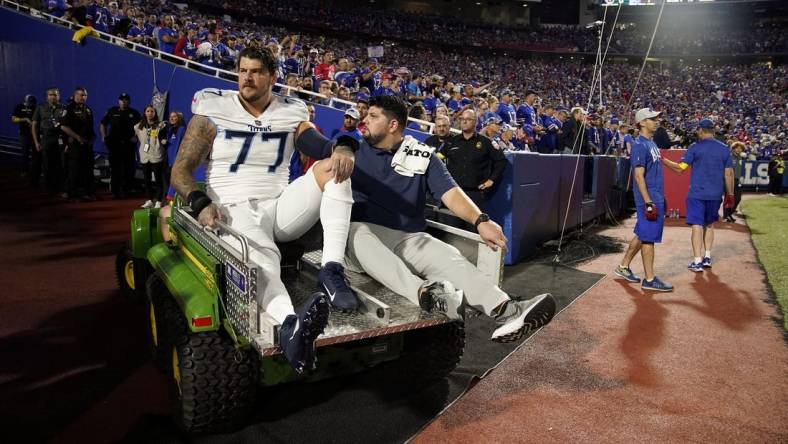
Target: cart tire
(166,323)
(214,383)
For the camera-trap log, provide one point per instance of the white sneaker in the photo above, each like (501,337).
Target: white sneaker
(147,204)
(520,317)
(158,204)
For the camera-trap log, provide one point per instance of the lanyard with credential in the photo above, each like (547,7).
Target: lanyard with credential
(146,148)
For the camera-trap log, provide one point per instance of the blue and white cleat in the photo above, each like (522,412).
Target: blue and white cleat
(626,273)
(656,285)
(332,280)
(706,262)
(299,332)
(696,267)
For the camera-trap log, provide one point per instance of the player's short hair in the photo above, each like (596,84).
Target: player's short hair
(80,88)
(264,55)
(393,108)
(53,88)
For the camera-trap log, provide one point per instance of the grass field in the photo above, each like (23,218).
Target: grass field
(768,221)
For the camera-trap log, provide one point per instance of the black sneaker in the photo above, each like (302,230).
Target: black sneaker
(299,332)
(332,280)
(444,298)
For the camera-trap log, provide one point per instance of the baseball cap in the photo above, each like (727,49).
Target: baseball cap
(353,112)
(373,60)
(645,113)
(614,121)
(314,50)
(506,92)
(706,124)
(124,96)
(492,119)
(507,127)
(362,97)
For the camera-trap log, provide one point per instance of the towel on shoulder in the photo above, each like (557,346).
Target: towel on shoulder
(413,157)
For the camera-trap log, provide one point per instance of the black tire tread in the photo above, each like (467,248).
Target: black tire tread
(218,383)
(124,255)
(170,323)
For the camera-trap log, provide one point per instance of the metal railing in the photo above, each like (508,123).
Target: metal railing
(171,58)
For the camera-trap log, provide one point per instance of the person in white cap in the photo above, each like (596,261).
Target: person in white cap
(349,125)
(649,201)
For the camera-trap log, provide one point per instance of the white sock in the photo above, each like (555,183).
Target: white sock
(708,254)
(335,216)
(697,260)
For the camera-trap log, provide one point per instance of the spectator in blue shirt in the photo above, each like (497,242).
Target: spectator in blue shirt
(391,178)
(712,175)
(170,139)
(167,36)
(505,109)
(98,16)
(55,7)
(548,143)
(526,115)
(349,125)
(649,201)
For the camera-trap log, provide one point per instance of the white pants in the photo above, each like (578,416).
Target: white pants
(403,261)
(265,222)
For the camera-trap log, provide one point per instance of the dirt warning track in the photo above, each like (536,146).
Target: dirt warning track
(706,363)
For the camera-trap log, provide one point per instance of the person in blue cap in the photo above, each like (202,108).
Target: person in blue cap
(649,201)
(712,174)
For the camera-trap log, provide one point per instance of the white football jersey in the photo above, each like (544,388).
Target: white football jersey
(250,156)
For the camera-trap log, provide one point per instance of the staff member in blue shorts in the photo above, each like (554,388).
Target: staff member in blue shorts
(712,167)
(650,202)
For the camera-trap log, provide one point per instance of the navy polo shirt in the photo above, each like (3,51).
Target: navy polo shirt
(646,154)
(384,197)
(708,159)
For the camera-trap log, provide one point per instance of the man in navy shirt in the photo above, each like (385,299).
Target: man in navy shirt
(649,201)
(712,173)
(391,179)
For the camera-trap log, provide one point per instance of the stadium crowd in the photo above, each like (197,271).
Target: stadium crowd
(746,101)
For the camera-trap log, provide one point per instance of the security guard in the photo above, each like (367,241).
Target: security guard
(77,124)
(117,133)
(473,161)
(31,160)
(48,139)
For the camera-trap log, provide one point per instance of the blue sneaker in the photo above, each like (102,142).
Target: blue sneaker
(299,332)
(332,280)
(656,285)
(696,267)
(706,262)
(626,273)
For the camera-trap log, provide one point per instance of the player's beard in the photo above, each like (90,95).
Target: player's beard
(259,93)
(372,139)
